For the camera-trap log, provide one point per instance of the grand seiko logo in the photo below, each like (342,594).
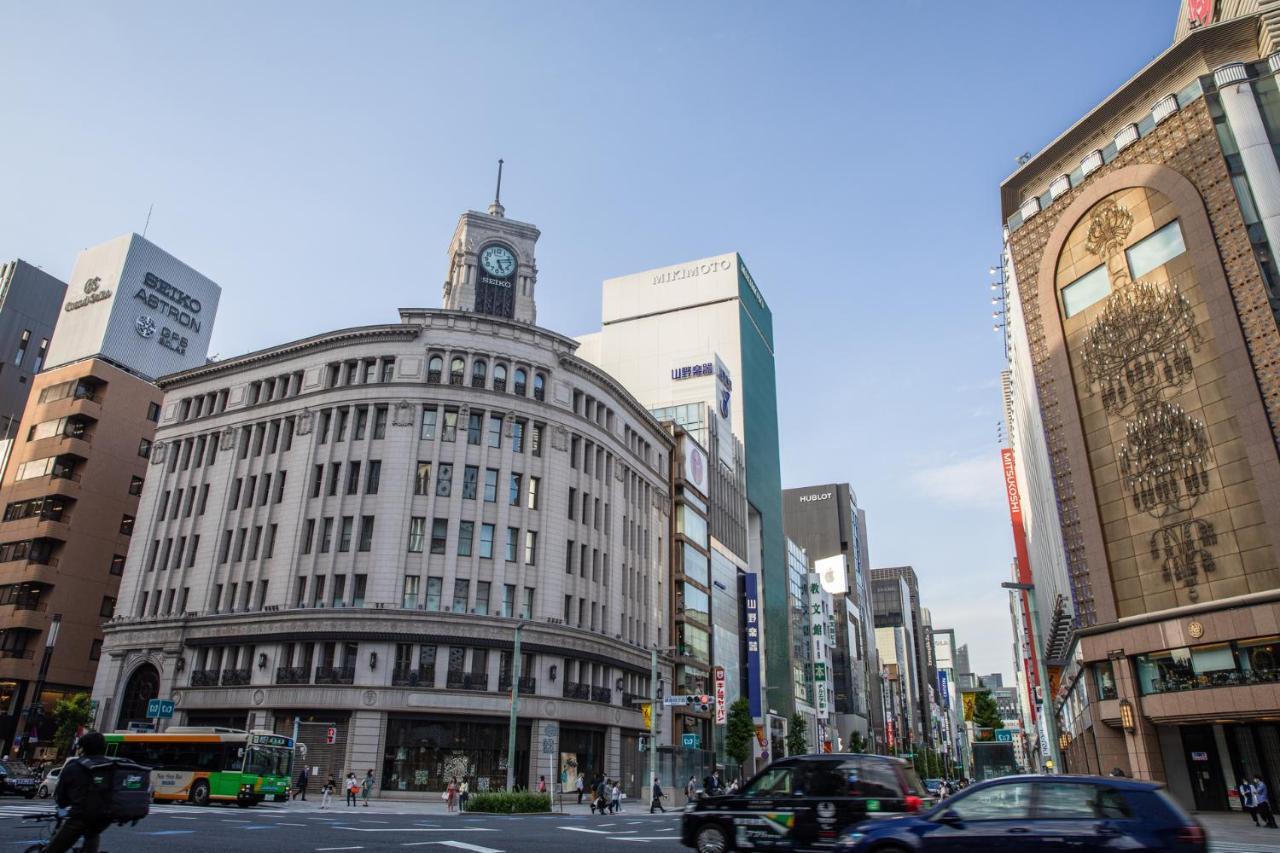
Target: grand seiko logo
(692,271)
(93,292)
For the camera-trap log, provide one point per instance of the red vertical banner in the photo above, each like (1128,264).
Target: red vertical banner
(1024,562)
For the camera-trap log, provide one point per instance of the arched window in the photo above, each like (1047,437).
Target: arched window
(456,368)
(539,386)
(434,368)
(499,377)
(143,686)
(478,369)
(518,386)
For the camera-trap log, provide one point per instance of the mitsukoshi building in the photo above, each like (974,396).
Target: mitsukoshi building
(346,530)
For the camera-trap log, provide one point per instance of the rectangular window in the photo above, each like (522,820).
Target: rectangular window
(470,477)
(280,486)
(326,534)
(526,608)
(490,485)
(535,440)
(344,535)
(513,493)
(530,547)
(482,598)
(409,599)
(435,588)
(513,542)
(335,473)
(439,534)
(568,558)
(517,437)
(1155,250)
(444,480)
(466,533)
(362,421)
(309,534)
(271,543)
(475,425)
(461,592)
(366,533)
(486,541)
(353,478)
(343,416)
(532,502)
(450,430)
(427,432)
(422,479)
(204,499)
(417,530)
(380,422)
(23,343)
(1088,289)
(508,600)
(317,480)
(144,448)
(361,583)
(326,418)
(373,477)
(495,430)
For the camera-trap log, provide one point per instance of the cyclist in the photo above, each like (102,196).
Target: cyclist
(73,788)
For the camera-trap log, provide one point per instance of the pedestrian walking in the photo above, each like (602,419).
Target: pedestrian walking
(302,785)
(580,785)
(326,793)
(451,793)
(366,789)
(1264,802)
(351,785)
(615,798)
(655,798)
(542,784)
(464,793)
(690,789)
(1249,799)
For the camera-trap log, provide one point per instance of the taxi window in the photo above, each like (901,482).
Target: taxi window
(827,779)
(874,779)
(1067,800)
(771,783)
(999,802)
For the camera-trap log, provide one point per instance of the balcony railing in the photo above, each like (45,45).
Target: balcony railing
(630,699)
(26,604)
(528,683)
(236,677)
(602,694)
(335,675)
(64,474)
(204,678)
(19,654)
(420,677)
(293,675)
(574,690)
(41,560)
(467,681)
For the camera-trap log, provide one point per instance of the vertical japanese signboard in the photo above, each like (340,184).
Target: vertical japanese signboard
(751,614)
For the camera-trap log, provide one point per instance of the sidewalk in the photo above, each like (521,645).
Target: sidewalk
(1237,830)
(433,806)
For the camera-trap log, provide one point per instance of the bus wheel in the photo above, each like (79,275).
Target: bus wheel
(200,793)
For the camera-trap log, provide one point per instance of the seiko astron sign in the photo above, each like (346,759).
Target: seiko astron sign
(138,306)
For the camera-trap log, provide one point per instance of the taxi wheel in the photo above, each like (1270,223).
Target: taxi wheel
(711,839)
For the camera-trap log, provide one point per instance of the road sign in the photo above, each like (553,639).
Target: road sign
(160,708)
(691,741)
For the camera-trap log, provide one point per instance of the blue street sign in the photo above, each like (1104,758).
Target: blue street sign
(162,708)
(691,741)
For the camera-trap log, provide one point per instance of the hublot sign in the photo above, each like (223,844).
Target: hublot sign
(825,496)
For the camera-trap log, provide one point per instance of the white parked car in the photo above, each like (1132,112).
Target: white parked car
(49,783)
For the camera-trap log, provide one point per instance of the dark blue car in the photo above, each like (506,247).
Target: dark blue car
(1025,813)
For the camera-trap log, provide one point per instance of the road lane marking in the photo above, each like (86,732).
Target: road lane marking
(458,845)
(318,849)
(597,831)
(418,829)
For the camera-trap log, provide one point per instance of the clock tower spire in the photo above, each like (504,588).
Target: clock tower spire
(491,264)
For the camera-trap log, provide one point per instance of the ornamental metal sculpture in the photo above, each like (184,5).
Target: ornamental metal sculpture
(1136,352)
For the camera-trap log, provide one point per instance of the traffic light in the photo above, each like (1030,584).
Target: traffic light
(699,703)
(331,736)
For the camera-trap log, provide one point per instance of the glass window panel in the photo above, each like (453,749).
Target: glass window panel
(1085,291)
(1067,800)
(1212,659)
(999,802)
(1155,250)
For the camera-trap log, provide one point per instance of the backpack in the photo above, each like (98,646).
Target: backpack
(119,791)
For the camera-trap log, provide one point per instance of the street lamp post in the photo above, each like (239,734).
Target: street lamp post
(1046,706)
(515,706)
(34,709)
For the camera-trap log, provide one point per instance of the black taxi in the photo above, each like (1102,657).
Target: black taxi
(801,803)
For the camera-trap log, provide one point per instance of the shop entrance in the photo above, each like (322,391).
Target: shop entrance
(1204,768)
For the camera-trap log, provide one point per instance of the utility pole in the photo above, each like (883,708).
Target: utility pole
(34,710)
(653,719)
(1046,699)
(515,705)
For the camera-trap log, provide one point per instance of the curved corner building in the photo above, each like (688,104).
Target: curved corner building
(343,532)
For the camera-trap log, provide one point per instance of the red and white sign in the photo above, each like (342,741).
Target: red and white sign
(722,713)
(1200,12)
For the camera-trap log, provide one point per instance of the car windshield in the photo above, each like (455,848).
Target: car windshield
(15,768)
(913,782)
(770,782)
(268,761)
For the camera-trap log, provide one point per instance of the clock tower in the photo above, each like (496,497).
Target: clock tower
(491,264)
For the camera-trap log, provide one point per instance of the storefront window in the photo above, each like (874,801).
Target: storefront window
(695,602)
(424,754)
(1258,659)
(1216,665)
(1105,678)
(696,565)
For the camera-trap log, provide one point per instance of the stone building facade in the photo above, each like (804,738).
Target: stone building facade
(345,532)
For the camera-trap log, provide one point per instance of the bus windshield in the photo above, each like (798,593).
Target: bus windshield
(268,761)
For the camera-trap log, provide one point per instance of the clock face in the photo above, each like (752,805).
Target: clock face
(498,261)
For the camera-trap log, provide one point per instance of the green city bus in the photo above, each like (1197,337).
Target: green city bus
(210,764)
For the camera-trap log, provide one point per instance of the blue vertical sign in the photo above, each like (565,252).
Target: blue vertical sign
(751,611)
(942,689)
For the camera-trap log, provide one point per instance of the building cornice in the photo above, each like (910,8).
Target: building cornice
(573,364)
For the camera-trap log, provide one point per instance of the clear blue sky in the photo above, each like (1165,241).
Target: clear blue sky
(312,158)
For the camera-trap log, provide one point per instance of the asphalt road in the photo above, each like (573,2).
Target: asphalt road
(272,828)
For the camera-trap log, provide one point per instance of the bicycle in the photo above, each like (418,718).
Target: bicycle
(54,821)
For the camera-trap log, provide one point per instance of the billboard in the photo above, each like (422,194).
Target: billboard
(834,574)
(751,619)
(135,304)
(694,460)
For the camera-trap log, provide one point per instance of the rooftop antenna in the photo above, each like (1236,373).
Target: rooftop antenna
(496,209)
(148,223)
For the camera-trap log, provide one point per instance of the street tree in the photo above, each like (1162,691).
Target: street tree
(797,736)
(739,732)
